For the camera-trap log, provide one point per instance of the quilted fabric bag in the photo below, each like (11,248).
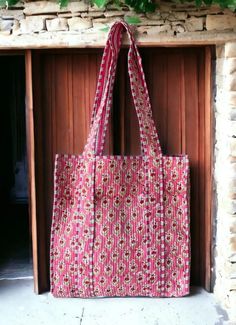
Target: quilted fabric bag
(120,223)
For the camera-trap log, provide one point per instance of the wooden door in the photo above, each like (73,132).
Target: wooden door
(179,85)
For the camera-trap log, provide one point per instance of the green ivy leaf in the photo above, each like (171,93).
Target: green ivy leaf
(100,3)
(118,4)
(63,3)
(150,7)
(132,20)
(208,2)
(198,3)
(10,3)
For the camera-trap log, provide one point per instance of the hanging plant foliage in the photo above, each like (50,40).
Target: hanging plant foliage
(140,6)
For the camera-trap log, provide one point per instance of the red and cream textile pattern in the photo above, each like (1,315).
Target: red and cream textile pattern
(120,224)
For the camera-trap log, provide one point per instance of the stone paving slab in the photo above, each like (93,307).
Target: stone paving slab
(20,306)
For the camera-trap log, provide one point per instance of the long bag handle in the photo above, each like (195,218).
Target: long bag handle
(148,134)
(102,81)
(149,139)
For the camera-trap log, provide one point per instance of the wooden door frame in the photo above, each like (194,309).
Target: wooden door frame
(40,284)
(31,168)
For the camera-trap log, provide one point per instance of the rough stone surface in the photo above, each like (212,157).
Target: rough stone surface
(5,32)
(148,22)
(101,23)
(11,14)
(178,28)
(68,14)
(230,52)
(221,22)
(232,116)
(32,24)
(194,24)
(77,6)
(173,16)
(171,23)
(230,65)
(41,7)
(6,25)
(233,149)
(20,306)
(114,13)
(154,31)
(93,14)
(232,98)
(57,24)
(153,15)
(76,23)
(225,177)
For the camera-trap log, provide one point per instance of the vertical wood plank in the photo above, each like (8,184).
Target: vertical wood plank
(31,164)
(173,103)
(192,148)
(208,118)
(177,84)
(158,86)
(201,164)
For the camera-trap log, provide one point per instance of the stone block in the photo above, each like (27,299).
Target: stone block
(155,30)
(232,284)
(232,116)
(57,24)
(45,7)
(78,24)
(5,32)
(232,228)
(41,7)
(194,24)
(95,8)
(220,51)
(153,15)
(6,25)
(233,149)
(32,24)
(230,50)
(232,130)
(77,6)
(173,16)
(68,14)
(11,14)
(100,23)
(220,66)
(93,14)
(178,28)
(231,82)
(149,22)
(220,22)
(232,98)
(230,206)
(232,244)
(230,66)
(16,28)
(220,81)
(114,13)
(198,12)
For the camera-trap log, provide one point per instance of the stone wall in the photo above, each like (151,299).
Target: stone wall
(42,23)
(225,177)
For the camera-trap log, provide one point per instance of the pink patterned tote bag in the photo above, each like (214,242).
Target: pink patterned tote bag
(120,224)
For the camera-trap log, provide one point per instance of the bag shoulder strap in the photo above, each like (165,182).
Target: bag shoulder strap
(103,100)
